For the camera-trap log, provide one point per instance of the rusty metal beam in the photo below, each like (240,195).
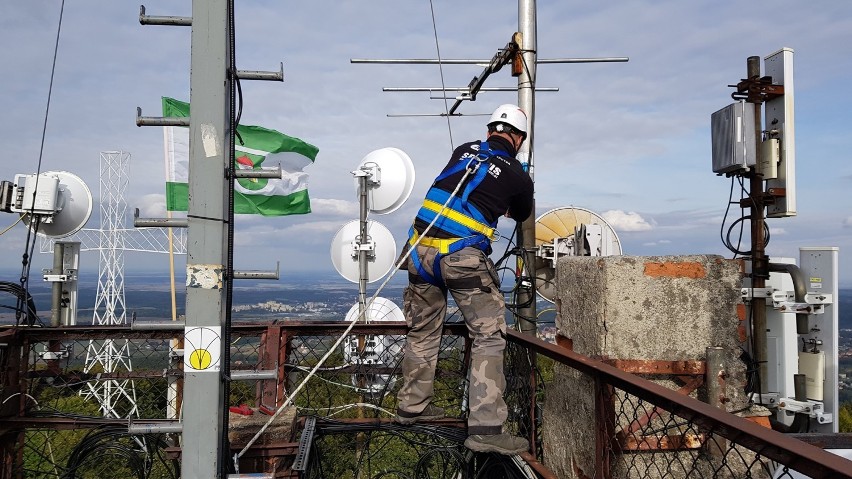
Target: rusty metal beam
(826,440)
(605,432)
(538,467)
(275,449)
(795,454)
(270,346)
(79,376)
(302,328)
(654,366)
(671,442)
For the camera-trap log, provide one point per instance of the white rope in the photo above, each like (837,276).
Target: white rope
(345,333)
(340,409)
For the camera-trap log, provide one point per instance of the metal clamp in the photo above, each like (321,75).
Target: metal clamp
(766,399)
(814,302)
(814,409)
(559,247)
(357,246)
(373,173)
(751,293)
(63,353)
(69,275)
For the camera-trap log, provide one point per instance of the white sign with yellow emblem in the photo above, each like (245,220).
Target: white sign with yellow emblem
(202,349)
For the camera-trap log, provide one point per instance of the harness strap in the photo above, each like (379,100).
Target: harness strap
(469,222)
(444,246)
(464,219)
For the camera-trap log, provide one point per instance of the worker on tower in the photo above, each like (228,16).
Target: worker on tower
(481,182)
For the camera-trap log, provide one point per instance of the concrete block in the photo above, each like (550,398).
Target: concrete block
(660,308)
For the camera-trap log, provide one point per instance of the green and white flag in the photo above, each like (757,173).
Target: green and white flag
(260,147)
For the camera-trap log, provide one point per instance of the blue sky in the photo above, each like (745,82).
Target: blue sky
(628,140)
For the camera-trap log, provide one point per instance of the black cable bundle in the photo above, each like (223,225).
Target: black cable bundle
(110,442)
(24,303)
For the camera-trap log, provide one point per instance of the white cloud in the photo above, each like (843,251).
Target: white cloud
(657,243)
(315,227)
(151,206)
(644,146)
(324,206)
(777,231)
(622,221)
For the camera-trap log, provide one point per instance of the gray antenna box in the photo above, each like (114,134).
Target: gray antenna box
(732,134)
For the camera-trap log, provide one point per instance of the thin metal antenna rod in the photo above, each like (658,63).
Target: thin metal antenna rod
(582,60)
(461,89)
(405,115)
(444,61)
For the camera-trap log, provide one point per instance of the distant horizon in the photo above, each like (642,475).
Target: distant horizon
(12,275)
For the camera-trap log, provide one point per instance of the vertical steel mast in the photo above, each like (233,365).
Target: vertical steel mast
(209,125)
(116,398)
(526,100)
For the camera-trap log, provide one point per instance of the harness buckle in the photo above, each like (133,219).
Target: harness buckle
(476,162)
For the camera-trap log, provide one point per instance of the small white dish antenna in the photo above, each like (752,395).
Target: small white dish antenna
(73,206)
(390,179)
(379,349)
(380,246)
(380,309)
(555,233)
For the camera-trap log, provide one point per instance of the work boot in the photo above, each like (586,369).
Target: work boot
(431,413)
(500,443)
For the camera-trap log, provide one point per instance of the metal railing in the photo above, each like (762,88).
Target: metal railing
(52,425)
(646,430)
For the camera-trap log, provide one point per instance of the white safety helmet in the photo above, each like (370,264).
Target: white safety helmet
(511,115)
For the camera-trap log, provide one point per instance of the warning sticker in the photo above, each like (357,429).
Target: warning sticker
(202,349)
(816,283)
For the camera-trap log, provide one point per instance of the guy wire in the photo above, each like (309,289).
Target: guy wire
(441,69)
(27,256)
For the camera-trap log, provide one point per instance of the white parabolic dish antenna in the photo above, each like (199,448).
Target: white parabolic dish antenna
(392,179)
(73,205)
(344,251)
(384,349)
(559,224)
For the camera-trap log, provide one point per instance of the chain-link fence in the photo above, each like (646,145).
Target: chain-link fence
(69,394)
(605,423)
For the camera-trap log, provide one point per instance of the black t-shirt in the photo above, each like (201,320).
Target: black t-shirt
(506,187)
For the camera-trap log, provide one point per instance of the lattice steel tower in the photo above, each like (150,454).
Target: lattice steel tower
(117,398)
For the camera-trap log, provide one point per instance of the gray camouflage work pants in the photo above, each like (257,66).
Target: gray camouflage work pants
(471,278)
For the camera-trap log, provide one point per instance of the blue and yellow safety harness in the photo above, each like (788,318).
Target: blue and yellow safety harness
(460,218)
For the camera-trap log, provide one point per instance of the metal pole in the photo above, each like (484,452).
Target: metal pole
(526,100)
(56,286)
(202,457)
(759,262)
(362,241)
(715,381)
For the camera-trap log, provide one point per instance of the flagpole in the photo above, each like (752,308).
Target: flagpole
(174,393)
(172,269)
